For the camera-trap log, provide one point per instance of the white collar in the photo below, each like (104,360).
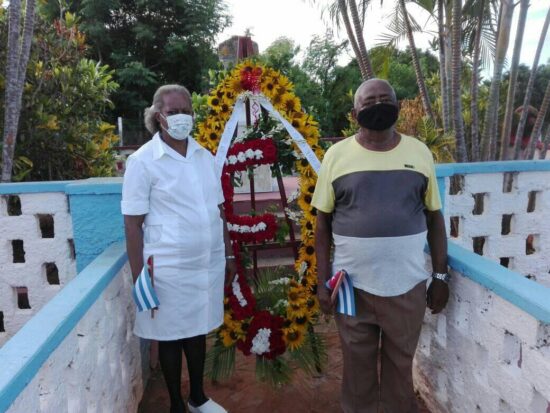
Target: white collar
(161,148)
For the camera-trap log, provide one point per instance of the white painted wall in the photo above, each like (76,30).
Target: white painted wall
(97,368)
(489,224)
(483,355)
(38,251)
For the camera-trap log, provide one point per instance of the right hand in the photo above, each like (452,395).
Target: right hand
(323,295)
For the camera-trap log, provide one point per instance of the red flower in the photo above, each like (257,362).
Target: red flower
(241,310)
(264,319)
(267,234)
(267,146)
(250,79)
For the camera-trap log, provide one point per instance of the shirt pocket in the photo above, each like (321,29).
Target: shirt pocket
(152,234)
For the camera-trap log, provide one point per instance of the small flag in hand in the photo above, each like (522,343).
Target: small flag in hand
(143,292)
(342,288)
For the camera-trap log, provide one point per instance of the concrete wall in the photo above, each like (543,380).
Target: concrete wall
(78,354)
(483,354)
(43,260)
(492,209)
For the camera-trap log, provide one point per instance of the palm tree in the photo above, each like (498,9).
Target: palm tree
(537,128)
(445,104)
(456,50)
(338,12)
(530,85)
(351,36)
(491,115)
(507,122)
(416,64)
(360,39)
(474,87)
(16,68)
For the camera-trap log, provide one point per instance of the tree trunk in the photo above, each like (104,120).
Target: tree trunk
(456,45)
(505,22)
(349,30)
(530,150)
(507,124)
(16,69)
(416,64)
(12,65)
(530,85)
(446,115)
(360,38)
(474,87)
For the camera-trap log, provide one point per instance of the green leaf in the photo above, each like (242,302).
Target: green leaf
(220,362)
(275,372)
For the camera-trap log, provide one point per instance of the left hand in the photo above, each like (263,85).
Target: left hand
(230,270)
(437,296)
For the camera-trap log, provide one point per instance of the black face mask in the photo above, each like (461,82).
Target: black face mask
(378,117)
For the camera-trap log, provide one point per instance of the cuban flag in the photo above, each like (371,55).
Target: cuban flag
(342,290)
(143,291)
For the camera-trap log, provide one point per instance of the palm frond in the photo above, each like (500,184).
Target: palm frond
(275,372)
(220,362)
(397,29)
(312,356)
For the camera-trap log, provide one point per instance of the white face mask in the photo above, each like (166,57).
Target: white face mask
(179,126)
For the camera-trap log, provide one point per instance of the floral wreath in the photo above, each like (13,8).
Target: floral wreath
(251,329)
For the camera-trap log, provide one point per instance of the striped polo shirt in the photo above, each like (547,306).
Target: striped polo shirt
(378,202)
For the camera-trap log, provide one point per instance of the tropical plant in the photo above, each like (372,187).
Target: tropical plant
(62,134)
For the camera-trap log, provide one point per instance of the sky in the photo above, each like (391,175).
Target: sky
(300,20)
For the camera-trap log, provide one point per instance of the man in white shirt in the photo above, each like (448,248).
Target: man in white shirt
(172,205)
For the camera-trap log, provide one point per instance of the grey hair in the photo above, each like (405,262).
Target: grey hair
(151,122)
(362,85)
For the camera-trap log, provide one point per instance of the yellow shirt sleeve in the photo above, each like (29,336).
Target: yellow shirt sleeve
(432,200)
(323,197)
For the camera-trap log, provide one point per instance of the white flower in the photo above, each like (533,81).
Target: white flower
(303,268)
(258,154)
(260,343)
(237,291)
(280,281)
(297,155)
(232,159)
(261,226)
(241,157)
(293,196)
(249,154)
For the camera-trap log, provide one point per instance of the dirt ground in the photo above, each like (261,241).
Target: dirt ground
(244,394)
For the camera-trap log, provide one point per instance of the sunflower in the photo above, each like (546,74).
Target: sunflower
(214,101)
(297,296)
(313,305)
(291,103)
(295,311)
(294,338)
(229,337)
(302,321)
(277,100)
(235,85)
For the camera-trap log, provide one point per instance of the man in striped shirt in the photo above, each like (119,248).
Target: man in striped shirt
(378,202)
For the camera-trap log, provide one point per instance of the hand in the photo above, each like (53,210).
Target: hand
(230,270)
(323,295)
(438,295)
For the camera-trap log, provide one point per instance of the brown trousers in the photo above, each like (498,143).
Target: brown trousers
(391,325)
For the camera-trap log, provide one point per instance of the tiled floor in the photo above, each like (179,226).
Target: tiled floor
(244,394)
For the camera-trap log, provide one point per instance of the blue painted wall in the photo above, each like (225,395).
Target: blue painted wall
(97,221)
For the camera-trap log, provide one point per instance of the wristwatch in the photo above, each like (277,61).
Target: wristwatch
(445,277)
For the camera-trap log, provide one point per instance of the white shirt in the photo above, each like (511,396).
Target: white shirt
(183,230)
